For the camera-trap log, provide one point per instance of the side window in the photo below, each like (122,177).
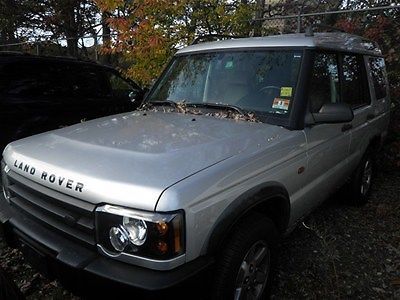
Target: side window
(87,81)
(355,84)
(31,79)
(377,65)
(119,86)
(324,81)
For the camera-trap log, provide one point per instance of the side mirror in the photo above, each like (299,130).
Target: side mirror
(135,96)
(331,113)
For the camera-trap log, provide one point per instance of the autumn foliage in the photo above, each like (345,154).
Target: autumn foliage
(150,31)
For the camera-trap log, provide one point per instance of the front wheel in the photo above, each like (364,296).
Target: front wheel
(244,265)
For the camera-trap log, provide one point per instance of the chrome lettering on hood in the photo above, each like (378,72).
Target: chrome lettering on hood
(52,178)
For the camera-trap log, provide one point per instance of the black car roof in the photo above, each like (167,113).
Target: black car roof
(13,56)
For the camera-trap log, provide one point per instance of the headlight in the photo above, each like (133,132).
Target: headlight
(146,234)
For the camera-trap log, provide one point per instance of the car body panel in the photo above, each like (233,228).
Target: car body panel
(129,159)
(205,195)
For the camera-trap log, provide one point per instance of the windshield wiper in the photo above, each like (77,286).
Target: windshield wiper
(160,103)
(217,106)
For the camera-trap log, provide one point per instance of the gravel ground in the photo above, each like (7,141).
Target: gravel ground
(339,252)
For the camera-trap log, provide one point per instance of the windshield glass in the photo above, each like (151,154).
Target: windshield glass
(261,81)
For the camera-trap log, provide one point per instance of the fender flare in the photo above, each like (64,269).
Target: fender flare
(260,194)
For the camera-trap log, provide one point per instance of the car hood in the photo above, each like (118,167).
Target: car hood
(129,159)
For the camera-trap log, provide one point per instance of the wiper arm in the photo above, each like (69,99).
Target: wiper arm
(218,106)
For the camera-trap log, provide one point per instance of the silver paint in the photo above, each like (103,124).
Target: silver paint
(165,161)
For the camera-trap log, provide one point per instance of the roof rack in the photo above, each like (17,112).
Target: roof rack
(211,37)
(310,29)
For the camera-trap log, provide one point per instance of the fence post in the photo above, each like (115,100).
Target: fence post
(299,21)
(37,48)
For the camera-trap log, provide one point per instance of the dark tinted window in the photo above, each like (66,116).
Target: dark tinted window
(30,79)
(355,84)
(120,87)
(87,81)
(324,81)
(377,65)
(42,79)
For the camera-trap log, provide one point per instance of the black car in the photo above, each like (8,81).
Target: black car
(39,93)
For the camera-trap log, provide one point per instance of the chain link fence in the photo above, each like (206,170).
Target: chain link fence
(89,47)
(361,18)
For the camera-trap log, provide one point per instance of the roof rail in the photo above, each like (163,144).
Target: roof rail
(211,37)
(310,29)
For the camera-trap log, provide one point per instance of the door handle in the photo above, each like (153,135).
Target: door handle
(346,127)
(370,117)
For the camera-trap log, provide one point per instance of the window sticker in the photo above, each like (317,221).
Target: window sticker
(281,103)
(286,91)
(229,64)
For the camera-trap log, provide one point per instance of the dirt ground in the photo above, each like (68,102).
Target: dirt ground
(346,252)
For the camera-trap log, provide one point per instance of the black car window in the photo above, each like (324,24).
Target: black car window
(52,79)
(33,79)
(87,81)
(377,65)
(355,84)
(324,81)
(120,88)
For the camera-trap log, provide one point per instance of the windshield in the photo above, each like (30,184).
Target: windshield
(261,81)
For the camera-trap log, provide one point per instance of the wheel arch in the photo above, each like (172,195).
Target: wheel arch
(270,199)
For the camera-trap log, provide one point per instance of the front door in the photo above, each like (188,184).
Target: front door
(327,144)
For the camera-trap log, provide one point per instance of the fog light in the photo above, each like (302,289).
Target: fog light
(162,247)
(119,238)
(136,229)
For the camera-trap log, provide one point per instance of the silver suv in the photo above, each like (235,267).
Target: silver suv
(237,142)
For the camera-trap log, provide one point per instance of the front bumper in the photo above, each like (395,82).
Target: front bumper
(57,251)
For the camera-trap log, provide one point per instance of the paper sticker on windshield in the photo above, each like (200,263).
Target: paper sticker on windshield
(229,64)
(280,103)
(286,91)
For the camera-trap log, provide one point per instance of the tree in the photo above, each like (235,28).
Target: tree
(150,31)
(68,19)
(14,15)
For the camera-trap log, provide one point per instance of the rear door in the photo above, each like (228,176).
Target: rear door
(356,93)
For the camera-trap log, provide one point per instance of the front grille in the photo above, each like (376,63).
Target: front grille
(68,215)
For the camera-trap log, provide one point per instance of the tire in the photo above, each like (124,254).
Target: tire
(254,236)
(361,181)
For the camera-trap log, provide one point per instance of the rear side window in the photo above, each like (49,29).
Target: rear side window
(377,65)
(324,82)
(30,79)
(355,84)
